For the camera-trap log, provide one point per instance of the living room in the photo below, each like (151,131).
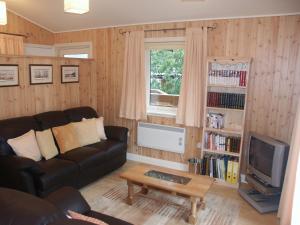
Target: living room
(149,112)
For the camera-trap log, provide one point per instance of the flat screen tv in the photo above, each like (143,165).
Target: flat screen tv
(267,158)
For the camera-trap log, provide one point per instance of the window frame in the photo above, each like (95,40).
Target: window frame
(74,48)
(159,43)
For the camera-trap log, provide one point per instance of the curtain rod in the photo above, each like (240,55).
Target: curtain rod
(14,34)
(169,29)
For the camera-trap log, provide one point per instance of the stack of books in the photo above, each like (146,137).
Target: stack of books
(226,100)
(215,120)
(219,142)
(225,168)
(227,77)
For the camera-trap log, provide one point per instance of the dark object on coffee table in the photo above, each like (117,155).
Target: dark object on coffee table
(168,177)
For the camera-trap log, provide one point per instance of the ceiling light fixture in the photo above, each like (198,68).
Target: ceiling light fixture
(3,15)
(76,6)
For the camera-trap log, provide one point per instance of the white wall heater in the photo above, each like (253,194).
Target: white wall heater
(161,137)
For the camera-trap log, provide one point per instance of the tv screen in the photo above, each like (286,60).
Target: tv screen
(261,156)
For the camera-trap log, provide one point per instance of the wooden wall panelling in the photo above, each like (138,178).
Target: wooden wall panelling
(29,99)
(272,42)
(19,25)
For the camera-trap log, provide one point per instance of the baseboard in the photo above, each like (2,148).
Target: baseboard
(157,162)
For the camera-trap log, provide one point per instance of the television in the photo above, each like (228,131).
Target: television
(267,158)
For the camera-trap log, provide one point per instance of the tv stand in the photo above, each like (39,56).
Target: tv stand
(262,187)
(261,196)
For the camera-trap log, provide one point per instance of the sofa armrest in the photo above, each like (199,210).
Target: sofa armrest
(17,163)
(117,133)
(68,198)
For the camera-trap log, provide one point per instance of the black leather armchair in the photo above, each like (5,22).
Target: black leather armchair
(18,208)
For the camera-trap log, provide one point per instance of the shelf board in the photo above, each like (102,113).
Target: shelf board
(225,109)
(224,131)
(226,86)
(225,183)
(222,152)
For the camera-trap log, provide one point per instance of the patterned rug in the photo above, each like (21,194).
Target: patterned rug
(158,208)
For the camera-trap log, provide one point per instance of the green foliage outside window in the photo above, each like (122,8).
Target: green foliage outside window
(166,70)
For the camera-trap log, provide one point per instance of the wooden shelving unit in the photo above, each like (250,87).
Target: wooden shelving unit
(226,76)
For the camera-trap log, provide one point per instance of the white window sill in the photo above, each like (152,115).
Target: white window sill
(162,112)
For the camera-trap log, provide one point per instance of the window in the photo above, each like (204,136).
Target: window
(74,50)
(78,56)
(164,68)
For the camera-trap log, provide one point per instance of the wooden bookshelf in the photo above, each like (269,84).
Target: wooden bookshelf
(228,79)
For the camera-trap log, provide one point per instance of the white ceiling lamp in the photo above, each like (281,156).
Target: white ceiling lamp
(3,15)
(77,6)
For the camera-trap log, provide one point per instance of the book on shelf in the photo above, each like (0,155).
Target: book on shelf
(215,120)
(236,78)
(226,100)
(220,142)
(222,167)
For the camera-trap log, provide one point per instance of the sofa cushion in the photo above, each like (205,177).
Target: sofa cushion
(86,132)
(15,127)
(66,137)
(110,147)
(57,173)
(26,146)
(77,114)
(51,119)
(18,208)
(85,157)
(46,144)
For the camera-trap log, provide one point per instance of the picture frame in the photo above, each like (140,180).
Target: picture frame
(41,74)
(70,74)
(9,75)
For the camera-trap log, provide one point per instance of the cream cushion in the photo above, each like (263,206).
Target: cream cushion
(26,146)
(100,127)
(86,132)
(66,138)
(46,144)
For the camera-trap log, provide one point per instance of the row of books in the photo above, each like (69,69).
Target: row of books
(222,167)
(215,120)
(227,77)
(219,142)
(226,100)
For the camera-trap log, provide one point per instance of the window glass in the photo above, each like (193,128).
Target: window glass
(79,56)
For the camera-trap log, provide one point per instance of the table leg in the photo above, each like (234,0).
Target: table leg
(130,193)
(193,216)
(144,190)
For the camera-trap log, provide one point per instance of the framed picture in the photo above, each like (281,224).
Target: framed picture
(40,74)
(9,75)
(69,74)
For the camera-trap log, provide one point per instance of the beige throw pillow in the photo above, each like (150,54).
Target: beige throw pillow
(86,132)
(100,127)
(26,146)
(46,144)
(78,216)
(66,138)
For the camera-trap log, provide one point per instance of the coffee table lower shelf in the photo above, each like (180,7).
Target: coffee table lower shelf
(196,202)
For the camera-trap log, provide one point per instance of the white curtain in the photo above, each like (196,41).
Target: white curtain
(133,99)
(288,193)
(190,105)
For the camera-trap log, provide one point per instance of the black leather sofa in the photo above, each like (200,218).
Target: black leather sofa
(19,208)
(76,168)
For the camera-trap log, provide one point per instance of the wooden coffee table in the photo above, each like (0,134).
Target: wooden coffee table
(191,186)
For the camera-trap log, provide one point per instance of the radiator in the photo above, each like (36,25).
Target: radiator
(161,137)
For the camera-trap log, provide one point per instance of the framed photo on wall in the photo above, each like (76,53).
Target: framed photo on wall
(41,74)
(69,73)
(9,75)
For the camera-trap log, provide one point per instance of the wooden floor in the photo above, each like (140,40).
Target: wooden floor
(247,215)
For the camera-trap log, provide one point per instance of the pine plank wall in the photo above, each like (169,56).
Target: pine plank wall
(272,42)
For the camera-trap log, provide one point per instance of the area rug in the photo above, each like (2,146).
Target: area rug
(158,208)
